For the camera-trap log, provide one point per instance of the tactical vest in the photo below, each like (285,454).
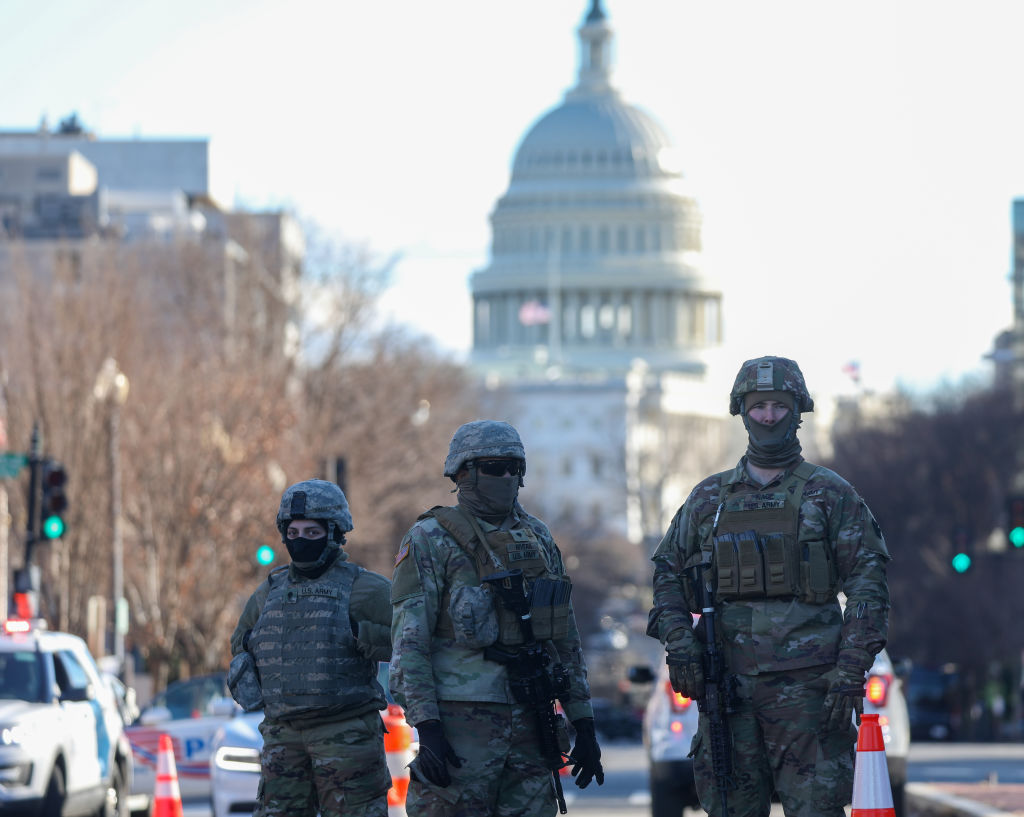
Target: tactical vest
(305,649)
(757,552)
(501,550)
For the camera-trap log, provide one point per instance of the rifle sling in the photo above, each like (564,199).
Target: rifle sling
(482,537)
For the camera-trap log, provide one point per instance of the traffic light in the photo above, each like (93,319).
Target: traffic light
(264,555)
(1015,520)
(963,549)
(55,501)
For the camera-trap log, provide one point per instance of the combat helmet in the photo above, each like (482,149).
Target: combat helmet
(483,438)
(770,373)
(316,499)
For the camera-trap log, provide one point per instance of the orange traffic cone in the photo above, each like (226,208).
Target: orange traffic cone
(167,798)
(398,749)
(872,793)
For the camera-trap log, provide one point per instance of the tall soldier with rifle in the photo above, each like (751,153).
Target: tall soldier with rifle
(485,642)
(534,683)
(776,663)
(715,689)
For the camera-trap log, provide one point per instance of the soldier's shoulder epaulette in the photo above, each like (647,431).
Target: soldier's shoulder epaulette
(276,573)
(823,477)
(536,525)
(708,489)
(433,512)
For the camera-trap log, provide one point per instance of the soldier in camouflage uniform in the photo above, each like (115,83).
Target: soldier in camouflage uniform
(307,648)
(479,749)
(778,539)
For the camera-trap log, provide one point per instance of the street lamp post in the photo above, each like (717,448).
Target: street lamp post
(112,388)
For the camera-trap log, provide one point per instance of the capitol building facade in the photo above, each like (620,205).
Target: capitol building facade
(595,323)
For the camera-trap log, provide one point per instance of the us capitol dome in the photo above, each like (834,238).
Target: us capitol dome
(595,254)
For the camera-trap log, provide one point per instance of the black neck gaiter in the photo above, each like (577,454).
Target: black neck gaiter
(772,446)
(310,557)
(490,498)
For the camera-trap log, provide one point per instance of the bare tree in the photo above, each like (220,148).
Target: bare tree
(222,415)
(198,433)
(935,470)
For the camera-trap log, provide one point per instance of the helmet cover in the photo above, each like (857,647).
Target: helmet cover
(770,373)
(482,438)
(316,499)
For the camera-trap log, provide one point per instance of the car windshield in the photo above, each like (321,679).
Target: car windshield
(21,676)
(192,698)
(929,689)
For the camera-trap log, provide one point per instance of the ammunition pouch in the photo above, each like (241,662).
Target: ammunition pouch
(549,613)
(519,548)
(819,573)
(749,566)
(757,553)
(244,682)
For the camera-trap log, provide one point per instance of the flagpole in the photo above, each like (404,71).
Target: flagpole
(555,300)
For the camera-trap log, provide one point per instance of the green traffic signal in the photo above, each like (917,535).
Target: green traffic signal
(54,501)
(264,555)
(53,527)
(1015,520)
(961,563)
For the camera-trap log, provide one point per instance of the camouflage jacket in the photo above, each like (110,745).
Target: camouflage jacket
(427,667)
(772,634)
(369,612)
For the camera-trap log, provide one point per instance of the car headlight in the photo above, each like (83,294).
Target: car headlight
(237,759)
(14,735)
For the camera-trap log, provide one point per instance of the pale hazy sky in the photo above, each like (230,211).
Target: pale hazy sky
(855,161)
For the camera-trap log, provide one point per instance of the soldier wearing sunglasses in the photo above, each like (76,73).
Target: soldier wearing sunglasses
(480,748)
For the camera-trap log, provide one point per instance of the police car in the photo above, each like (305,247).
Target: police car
(190,712)
(62,746)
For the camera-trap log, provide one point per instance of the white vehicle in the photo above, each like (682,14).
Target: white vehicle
(190,711)
(670,723)
(884,695)
(62,745)
(235,765)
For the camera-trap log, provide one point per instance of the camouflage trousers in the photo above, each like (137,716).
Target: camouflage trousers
(338,768)
(777,746)
(502,773)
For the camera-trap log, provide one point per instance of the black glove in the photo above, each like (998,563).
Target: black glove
(434,754)
(686,674)
(586,754)
(845,696)
(685,663)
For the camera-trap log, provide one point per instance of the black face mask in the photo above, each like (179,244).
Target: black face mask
(304,550)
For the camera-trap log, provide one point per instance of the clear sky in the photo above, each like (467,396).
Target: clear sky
(855,161)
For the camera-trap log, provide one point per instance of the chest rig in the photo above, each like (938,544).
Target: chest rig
(494,552)
(304,647)
(757,549)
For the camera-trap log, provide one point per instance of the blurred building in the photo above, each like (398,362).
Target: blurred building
(596,319)
(68,198)
(1008,353)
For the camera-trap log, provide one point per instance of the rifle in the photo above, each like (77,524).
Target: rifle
(532,684)
(717,703)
